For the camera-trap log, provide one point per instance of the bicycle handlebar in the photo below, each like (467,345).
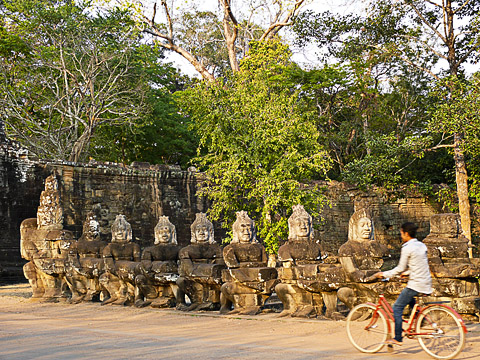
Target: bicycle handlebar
(373,278)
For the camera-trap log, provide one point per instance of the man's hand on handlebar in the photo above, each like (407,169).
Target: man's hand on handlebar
(374,277)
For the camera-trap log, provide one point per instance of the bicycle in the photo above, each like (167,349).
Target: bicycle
(439,329)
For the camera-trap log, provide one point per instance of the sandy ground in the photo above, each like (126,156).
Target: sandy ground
(35,330)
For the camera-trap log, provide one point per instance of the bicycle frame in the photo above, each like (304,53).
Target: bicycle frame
(386,309)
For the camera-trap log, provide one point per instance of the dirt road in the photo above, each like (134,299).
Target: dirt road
(34,330)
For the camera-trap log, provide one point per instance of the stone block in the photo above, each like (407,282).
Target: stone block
(51,266)
(207,271)
(166,278)
(448,225)
(159,267)
(244,275)
(457,288)
(447,248)
(466,305)
(307,271)
(287,273)
(458,269)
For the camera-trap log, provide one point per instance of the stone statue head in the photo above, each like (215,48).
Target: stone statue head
(360,226)
(91,227)
(300,224)
(121,230)
(50,211)
(165,232)
(244,229)
(51,183)
(202,230)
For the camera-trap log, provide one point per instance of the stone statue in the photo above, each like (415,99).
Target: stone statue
(367,252)
(50,211)
(46,245)
(300,257)
(121,258)
(201,265)
(362,256)
(454,274)
(248,280)
(86,262)
(156,283)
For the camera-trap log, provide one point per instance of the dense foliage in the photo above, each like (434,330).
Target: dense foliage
(258,142)
(387,102)
(75,85)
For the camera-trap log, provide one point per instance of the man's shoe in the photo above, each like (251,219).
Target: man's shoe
(393,342)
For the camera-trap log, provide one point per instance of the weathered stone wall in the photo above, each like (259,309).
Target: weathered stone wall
(388,215)
(20,187)
(143,192)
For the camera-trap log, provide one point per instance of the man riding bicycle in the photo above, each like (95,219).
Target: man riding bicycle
(414,258)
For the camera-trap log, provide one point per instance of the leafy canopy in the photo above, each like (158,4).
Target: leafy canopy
(258,142)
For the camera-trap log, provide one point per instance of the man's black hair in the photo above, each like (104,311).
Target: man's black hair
(410,228)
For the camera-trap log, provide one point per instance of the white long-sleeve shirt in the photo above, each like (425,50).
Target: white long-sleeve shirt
(414,258)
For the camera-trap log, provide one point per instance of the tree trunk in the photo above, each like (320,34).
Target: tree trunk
(461,176)
(196,64)
(230,30)
(80,145)
(462,190)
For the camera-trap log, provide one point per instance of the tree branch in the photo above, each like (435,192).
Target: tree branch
(424,20)
(468,53)
(169,20)
(274,28)
(462,6)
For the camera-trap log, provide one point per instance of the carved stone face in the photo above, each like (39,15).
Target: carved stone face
(245,232)
(163,235)
(364,229)
(120,236)
(121,230)
(93,229)
(301,227)
(51,183)
(202,234)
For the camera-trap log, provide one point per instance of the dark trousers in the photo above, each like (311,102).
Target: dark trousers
(406,297)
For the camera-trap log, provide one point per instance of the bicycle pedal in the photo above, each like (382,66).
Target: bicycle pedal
(390,348)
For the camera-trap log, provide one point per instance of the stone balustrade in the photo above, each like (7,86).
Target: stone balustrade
(235,279)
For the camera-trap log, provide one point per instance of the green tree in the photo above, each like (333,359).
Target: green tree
(72,76)
(194,34)
(161,135)
(442,33)
(450,31)
(372,107)
(258,142)
(458,111)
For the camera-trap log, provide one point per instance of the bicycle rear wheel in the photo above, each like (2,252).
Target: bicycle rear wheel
(441,332)
(367,330)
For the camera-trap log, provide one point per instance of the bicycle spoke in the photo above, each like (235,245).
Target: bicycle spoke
(442,335)
(366,330)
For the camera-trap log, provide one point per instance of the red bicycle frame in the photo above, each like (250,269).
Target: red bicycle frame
(386,309)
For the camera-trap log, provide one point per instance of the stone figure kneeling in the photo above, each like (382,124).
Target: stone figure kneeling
(248,280)
(158,270)
(301,257)
(121,257)
(362,256)
(86,262)
(201,265)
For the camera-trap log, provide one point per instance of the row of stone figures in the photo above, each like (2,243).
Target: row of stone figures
(235,278)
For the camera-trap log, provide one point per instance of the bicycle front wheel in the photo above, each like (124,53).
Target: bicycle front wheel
(440,332)
(366,329)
